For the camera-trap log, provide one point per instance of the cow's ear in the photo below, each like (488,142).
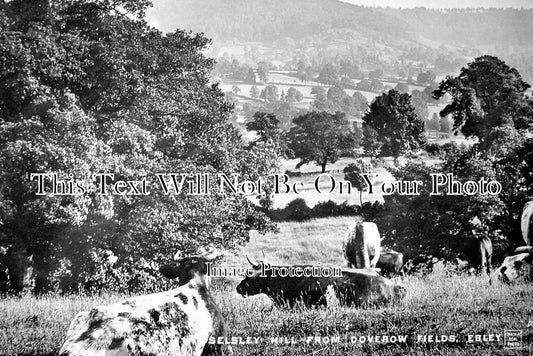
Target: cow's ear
(169,271)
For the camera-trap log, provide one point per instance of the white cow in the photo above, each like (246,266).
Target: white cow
(362,245)
(178,322)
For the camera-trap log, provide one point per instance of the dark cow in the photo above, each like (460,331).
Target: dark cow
(178,322)
(390,263)
(526,221)
(362,245)
(288,290)
(518,267)
(352,287)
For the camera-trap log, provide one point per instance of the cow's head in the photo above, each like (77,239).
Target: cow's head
(190,268)
(255,283)
(360,228)
(516,267)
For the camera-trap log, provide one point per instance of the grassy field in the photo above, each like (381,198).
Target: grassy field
(441,305)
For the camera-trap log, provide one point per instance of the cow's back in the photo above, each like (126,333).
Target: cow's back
(161,323)
(358,286)
(390,262)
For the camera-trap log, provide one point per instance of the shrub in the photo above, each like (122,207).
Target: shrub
(298,210)
(433,149)
(324,209)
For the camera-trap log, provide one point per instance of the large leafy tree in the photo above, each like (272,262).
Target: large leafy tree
(486,94)
(443,224)
(266,126)
(88,87)
(321,137)
(397,127)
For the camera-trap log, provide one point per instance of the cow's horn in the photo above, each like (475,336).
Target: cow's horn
(253,263)
(522,249)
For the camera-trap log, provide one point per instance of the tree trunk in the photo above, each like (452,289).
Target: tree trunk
(17,265)
(323,165)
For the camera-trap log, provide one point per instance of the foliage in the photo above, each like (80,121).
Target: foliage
(263,69)
(402,88)
(434,123)
(489,103)
(298,210)
(397,127)
(266,126)
(420,104)
(443,224)
(353,174)
(337,100)
(486,94)
(321,137)
(294,95)
(86,89)
(374,85)
(254,92)
(270,94)
(426,77)
(445,125)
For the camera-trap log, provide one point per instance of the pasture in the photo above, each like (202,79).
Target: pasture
(442,306)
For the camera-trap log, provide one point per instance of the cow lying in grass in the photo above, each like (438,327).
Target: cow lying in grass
(353,287)
(518,267)
(390,263)
(178,322)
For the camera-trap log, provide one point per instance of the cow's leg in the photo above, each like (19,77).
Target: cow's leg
(374,261)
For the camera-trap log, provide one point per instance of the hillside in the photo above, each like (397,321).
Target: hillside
(271,20)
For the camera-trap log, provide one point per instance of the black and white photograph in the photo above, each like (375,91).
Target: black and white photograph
(266,177)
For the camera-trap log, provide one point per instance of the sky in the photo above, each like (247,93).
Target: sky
(439,4)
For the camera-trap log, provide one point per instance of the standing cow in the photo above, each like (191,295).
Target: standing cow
(178,322)
(362,245)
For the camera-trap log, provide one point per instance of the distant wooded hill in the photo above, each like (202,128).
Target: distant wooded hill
(270,20)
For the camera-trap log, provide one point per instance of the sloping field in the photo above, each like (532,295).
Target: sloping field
(442,314)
